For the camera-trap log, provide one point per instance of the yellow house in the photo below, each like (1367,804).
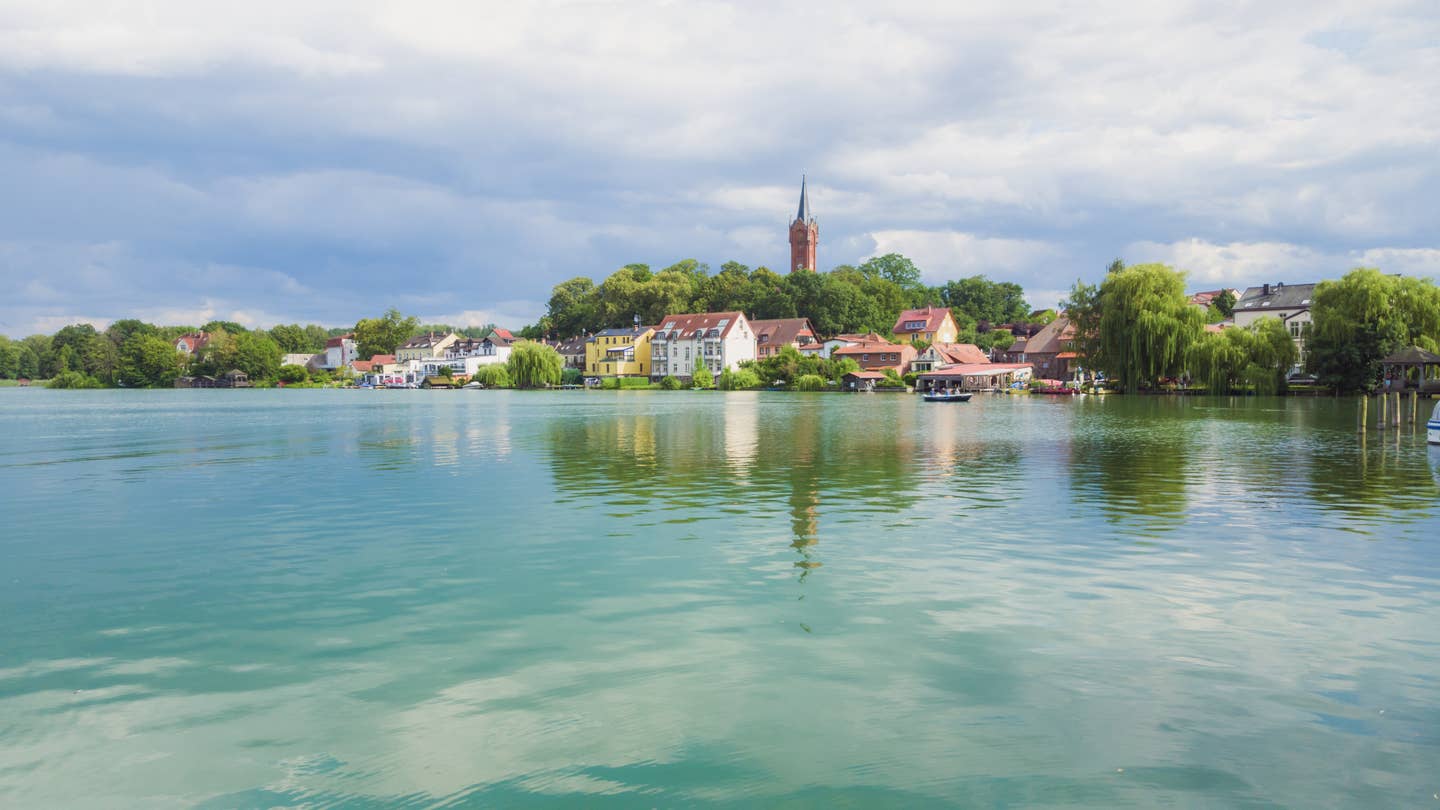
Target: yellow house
(619,352)
(425,346)
(931,324)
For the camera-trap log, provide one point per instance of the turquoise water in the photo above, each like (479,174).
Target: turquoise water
(236,599)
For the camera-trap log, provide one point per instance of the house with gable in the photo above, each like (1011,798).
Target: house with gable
(717,340)
(885,356)
(619,352)
(430,345)
(939,355)
(1052,350)
(1288,302)
(192,342)
(930,324)
(772,335)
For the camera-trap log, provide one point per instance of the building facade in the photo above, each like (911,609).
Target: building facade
(716,340)
(339,352)
(619,352)
(1288,302)
(880,357)
(939,355)
(931,324)
(425,347)
(772,335)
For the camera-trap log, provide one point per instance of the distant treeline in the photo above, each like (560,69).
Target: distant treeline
(856,299)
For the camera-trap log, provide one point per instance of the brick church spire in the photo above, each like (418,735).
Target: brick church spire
(804,234)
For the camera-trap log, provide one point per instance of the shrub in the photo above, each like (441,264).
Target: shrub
(810,382)
(634,382)
(910,378)
(738,380)
(610,383)
(292,374)
(73,379)
(492,376)
(671,383)
(702,378)
(572,376)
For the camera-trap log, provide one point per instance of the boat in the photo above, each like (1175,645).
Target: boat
(944,396)
(1432,428)
(472,385)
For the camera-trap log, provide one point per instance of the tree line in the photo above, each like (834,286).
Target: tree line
(1138,327)
(848,299)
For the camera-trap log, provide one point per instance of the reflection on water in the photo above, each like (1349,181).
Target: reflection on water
(312,598)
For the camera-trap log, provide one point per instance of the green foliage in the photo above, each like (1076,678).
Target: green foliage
(148,361)
(571,376)
(446,372)
(1224,303)
(738,379)
(493,376)
(79,347)
(384,334)
(74,379)
(672,383)
(292,374)
(809,382)
(981,299)
(610,384)
(1363,317)
(534,365)
(910,378)
(1083,309)
(256,355)
(294,338)
(840,366)
(9,358)
(1257,357)
(223,326)
(701,377)
(1146,324)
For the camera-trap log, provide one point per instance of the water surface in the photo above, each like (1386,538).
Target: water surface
(234,599)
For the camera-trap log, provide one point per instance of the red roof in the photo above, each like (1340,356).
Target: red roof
(363,365)
(1066,356)
(504,333)
(684,327)
(865,375)
(968,369)
(932,316)
(382,359)
(960,353)
(338,340)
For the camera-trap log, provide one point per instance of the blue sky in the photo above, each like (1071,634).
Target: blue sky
(269,162)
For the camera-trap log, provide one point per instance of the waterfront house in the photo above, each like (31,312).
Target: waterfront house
(771,335)
(619,352)
(938,355)
(573,351)
(848,339)
(340,351)
(930,324)
(861,380)
(463,356)
(297,359)
(1014,353)
(192,342)
(1052,350)
(427,346)
(1206,298)
(1288,302)
(880,357)
(975,376)
(719,340)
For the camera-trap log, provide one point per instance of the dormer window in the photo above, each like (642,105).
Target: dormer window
(915,325)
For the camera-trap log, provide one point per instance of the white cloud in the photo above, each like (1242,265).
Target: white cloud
(1250,263)
(945,255)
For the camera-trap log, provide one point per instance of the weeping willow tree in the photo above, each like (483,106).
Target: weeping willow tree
(1256,357)
(1147,326)
(1365,316)
(534,365)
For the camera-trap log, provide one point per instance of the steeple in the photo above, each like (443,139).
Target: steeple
(804,233)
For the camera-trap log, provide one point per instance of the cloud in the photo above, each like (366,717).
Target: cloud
(472,154)
(1249,263)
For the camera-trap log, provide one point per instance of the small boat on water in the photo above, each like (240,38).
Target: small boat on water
(947,396)
(1432,428)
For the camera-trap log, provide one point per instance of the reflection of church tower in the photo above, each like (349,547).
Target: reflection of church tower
(804,234)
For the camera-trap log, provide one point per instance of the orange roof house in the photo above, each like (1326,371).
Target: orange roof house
(931,324)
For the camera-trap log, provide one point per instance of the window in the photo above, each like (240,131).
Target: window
(914,325)
(1294,329)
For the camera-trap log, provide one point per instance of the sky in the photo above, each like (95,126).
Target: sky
(319,161)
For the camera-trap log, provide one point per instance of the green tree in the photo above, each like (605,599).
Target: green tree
(840,366)
(224,326)
(125,328)
(810,382)
(670,383)
(1224,303)
(257,355)
(493,376)
(291,338)
(1363,317)
(384,334)
(315,337)
(291,374)
(1257,357)
(148,361)
(983,300)
(534,365)
(74,379)
(1147,324)
(574,307)
(1083,309)
(894,268)
(9,358)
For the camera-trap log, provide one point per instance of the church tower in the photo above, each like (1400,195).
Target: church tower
(804,233)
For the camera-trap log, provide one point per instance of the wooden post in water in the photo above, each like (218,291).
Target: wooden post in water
(1380,410)
(1364,416)
(1415,411)
(1395,412)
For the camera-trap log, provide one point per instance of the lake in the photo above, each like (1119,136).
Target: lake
(237,599)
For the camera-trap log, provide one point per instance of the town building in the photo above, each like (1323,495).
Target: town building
(804,235)
(772,335)
(297,359)
(619,352)
(192,342)
(573,351)
(1206,298)
(1288,302)
(423,347)
(1052,350)
(465,356)
(896,357)
(939,355)
(861,380)
(848,339)
(340,351)
(931,324)
(1014,353)
(717,340)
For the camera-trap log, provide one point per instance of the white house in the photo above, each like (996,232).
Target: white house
(841,341)
(466,355)
(302,359)
(339,352)
(718,340)
(1288,302)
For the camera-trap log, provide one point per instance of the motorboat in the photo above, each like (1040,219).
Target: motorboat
(947,396)
(472,386)
(1432,428)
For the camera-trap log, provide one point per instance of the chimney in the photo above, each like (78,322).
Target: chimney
(1266,290)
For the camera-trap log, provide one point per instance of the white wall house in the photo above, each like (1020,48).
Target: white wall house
(465,356)
(1288,302)
(716,340)
(339,353)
